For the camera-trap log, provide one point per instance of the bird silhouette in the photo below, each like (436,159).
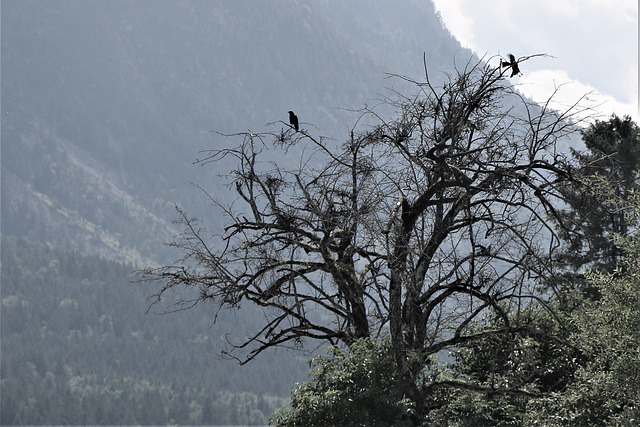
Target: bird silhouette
(293,119)
(512,63)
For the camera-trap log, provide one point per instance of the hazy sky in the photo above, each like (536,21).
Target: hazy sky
(594,44)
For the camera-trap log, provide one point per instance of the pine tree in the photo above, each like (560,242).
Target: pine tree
(611,162)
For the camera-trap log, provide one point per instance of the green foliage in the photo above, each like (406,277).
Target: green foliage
(508,371)
(517,360)
(464,408)
(613,149)
(595,379)
(349,388)
(612,158)
(606,390)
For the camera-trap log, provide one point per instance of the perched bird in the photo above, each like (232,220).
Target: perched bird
(512,63)
(293,119)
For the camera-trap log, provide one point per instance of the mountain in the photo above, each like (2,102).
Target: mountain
(107,104)
(86,352)
(105,107)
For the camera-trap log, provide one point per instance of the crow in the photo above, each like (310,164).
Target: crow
(512,63)
(293,119)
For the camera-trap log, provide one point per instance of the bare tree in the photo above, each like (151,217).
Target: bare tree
(418,225)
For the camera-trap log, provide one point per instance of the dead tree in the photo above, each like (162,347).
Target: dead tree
(418,225)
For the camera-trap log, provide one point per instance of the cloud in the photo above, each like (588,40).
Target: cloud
(565,92)
(595,41)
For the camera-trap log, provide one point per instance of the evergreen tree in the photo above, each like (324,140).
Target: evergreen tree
(606,388)
(611,161)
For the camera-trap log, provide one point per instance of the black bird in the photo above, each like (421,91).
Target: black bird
(512,63)
(293,119)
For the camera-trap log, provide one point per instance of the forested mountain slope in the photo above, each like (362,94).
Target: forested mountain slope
(105,106)
(77,347)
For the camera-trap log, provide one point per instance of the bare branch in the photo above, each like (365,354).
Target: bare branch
(418,224)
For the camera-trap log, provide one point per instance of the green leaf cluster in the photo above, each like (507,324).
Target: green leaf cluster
(349,388)
(606,388)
